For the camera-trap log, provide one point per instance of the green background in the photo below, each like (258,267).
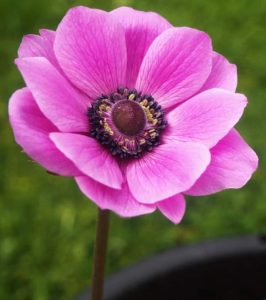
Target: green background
(47,226)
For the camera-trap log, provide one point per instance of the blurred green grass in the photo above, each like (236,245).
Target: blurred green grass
(47,226)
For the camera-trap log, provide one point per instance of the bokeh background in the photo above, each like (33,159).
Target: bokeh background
(47,226)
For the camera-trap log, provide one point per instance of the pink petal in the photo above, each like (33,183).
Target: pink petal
(48,35)
(223,74)
(205,118)
(119,201)
(173,208)
(141,28)
(31,130)
(91,49)
(39,46)
(232,165)
(59,101)
(168,170)
(176,65)
(90,157)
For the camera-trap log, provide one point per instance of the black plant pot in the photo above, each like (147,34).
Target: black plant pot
(226,269)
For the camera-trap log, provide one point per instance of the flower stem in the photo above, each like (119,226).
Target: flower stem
(100,250)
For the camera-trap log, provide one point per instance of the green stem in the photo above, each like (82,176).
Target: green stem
(100,250)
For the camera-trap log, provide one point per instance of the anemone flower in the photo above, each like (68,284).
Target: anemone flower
(138,111)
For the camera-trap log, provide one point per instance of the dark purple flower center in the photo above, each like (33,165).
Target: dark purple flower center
(128,117)
(126,122)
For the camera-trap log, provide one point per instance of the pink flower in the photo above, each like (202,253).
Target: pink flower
(139,112)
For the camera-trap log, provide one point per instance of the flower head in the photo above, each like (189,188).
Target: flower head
(139,112)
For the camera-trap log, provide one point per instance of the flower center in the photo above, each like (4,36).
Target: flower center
(126,122)
(128,117)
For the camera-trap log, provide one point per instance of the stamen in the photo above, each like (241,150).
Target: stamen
(126,122)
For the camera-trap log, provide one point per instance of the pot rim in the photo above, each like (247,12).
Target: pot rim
(178,258)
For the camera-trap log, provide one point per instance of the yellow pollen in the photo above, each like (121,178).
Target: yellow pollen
(149,115)
(108,129)
(104,107)
(142,141)
(144,102)
(131,97)
(154,121)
